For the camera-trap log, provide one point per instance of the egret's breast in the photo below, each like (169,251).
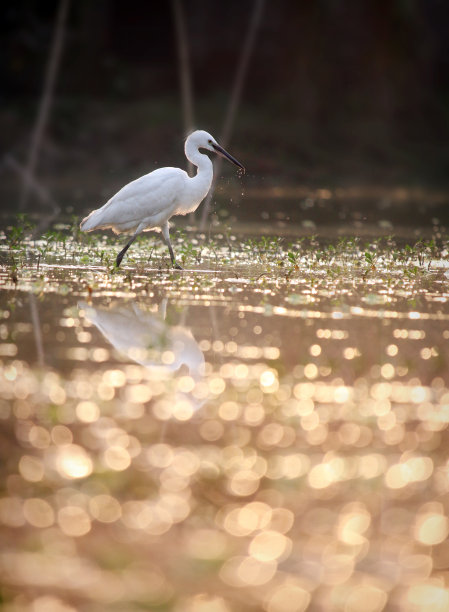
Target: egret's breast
(196,189)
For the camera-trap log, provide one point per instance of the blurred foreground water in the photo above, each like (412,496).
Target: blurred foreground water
(267,430)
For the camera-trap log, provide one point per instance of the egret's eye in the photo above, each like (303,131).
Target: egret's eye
(209,141)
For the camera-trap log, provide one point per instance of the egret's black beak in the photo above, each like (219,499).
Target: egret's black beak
(226,155)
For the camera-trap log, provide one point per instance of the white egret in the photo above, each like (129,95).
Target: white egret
(166,351)
(151,200)
(144,337)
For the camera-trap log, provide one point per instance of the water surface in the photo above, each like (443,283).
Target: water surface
(266,430)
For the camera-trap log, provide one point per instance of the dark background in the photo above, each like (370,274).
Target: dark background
(339,94)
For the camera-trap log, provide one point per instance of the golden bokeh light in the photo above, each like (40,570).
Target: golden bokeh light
(88,412)
(253,516)
(105,508)
(160,455)
(74,521)
(366,597)
(269,546)
(205,603)
(244,483)
(327,473)
(38,512)
(353,526)
(247,571)
(31,468)
(288,598)
(138,393)
(39,437)
(337,568)
(229,411)
(428,597)
(411,470)
(72,461)
(116,458)
(431,528)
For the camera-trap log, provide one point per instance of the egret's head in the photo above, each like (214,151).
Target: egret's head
(203,140)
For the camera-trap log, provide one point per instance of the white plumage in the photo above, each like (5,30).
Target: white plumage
(145,337)
(151,200)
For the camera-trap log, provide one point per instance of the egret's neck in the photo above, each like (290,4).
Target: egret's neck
(201,160)
(203,178)
(198,186)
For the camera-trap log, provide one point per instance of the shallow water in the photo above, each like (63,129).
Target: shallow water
(266,430)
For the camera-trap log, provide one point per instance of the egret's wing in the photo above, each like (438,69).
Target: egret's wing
(148,198)
(149,194)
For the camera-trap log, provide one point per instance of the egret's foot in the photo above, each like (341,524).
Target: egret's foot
(118,261)
(177,266)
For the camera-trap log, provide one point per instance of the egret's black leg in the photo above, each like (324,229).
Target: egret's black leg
(166,236)
(175,264)
(118,261)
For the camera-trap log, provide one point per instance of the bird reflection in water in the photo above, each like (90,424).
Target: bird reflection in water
(148,339)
